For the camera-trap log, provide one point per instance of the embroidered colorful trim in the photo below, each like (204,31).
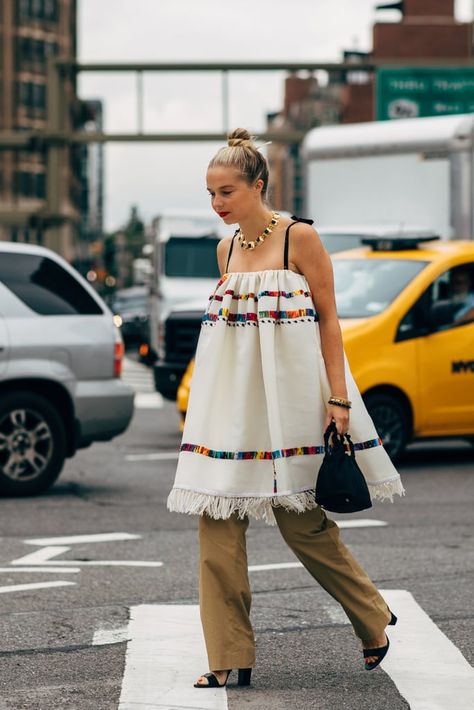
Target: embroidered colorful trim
(260,294)
(270,455)
(225,314)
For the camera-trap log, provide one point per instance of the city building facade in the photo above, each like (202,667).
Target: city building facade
(32,31)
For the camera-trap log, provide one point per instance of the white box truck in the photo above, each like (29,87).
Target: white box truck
(416,172)
(184,269)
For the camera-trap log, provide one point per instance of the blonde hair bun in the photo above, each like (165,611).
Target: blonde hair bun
(240,138)
(242,155)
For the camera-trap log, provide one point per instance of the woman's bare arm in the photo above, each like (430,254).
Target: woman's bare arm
(311,258)
(222,250)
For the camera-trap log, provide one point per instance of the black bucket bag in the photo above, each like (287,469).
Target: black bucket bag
(340,485)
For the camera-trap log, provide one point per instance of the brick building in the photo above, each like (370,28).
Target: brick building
(30,32)
(427,32)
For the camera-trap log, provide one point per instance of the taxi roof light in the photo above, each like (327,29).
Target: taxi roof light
(398,243)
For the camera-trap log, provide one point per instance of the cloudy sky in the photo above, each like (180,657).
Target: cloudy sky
(157,176)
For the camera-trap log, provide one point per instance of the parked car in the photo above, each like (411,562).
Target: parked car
(406,310)
(60,366)
(131,310)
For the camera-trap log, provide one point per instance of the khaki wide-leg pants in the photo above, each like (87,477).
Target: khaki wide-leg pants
(224,589)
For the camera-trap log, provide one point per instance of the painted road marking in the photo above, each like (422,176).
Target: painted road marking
(141,379)
(428,669)
(356,523)
(79,539)
(148,400)
(360,523)
(34,585)
(107,563)
(45,554)
(41,556)
(164,657)
(71,570)
(277,565)
(158,456)
(104,637)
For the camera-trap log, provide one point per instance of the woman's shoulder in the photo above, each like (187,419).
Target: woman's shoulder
(224,243)
(301,229)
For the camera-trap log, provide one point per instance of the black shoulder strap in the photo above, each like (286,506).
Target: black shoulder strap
(287,234)
(230,250)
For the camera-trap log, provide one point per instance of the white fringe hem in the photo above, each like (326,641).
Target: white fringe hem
(218,507)
(386,489)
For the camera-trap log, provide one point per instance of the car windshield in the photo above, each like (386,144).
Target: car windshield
(340,242)
(191,257)
(365,287)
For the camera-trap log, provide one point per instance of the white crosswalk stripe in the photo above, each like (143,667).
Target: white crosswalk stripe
(140,378)
(156,676)
(428,670)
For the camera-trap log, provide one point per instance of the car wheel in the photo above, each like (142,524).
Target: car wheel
(32,444)
(391,421)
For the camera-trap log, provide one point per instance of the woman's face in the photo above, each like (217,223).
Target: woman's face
(231,196)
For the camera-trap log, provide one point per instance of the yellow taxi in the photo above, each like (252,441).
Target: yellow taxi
(406,309)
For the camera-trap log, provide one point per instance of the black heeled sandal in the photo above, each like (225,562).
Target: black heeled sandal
(380,652)
(212,682)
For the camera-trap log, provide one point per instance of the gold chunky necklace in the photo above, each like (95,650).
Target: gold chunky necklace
(261,237)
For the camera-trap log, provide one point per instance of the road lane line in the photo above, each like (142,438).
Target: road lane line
(79,539)
(71,570)
(277,565)
(39,557)
(107,563)
(356,523)
(428,669)
(163,456)
(164,657)
(360,523)
(148,400)
(34,585)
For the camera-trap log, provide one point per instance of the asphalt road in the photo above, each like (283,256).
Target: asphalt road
(65,646)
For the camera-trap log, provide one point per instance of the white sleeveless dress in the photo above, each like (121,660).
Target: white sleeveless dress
(253,434)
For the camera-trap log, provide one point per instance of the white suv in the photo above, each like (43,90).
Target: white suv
(60,367)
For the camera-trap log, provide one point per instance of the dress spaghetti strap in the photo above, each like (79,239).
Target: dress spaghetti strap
(230,251)
(287,234)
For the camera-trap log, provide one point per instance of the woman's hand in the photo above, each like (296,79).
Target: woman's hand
(340,415)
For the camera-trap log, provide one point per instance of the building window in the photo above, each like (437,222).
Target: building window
(38,10)
(24,9)
(40,185)
(31,95)
(51,10)
(39,95)
(28,184)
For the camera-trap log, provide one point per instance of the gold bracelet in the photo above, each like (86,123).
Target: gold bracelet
(340,402)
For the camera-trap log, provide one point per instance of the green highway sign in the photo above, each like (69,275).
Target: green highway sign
(423,91)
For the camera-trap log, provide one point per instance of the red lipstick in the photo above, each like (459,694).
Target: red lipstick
(223,214)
